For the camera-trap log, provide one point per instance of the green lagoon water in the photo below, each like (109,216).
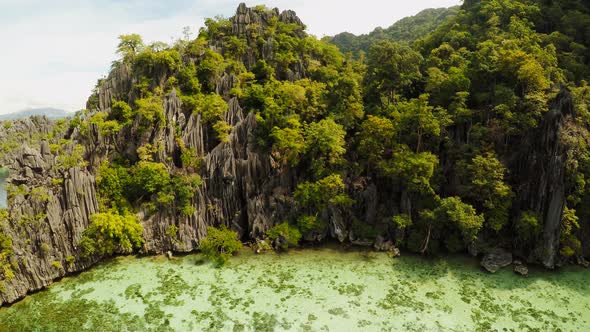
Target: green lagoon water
(307,290)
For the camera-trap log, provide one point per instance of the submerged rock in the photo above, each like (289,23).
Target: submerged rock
(395,252)
(382,245)
(496,259)
(388,246)
(520,268)
(583,262)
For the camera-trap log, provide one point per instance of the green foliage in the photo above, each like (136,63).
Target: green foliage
(447,87)
(189,157)
(154,62)
(418,121)
(4,172)
(404,31)
(121,112)
(6,251)
(120,188)
(39,195)
(222,129)
(220,244)
(284,236)
(211,107)
(150,111)
(129,46)
(14,191)
(413,170)
(146,152)
(317,195)
(488,189)
(263,72)
(57,265)
(392,69)
(188,82)
(461,217)
(278,102)
(106,128)
(172,232)
(289,143)
(70,260)
(308,224)
(325,145)
(362,230)
(111,233)
(112,182)
(402,221)
(184,188)
(314,197)
(569,244)
(527,226)
(210,69)
(148,178)
(375,139)
(73,157)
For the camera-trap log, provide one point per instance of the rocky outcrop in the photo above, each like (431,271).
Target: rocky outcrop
(49,209)
(542,174)
(249,20)
(496,259)
(116,86)
(251,23)
(520,268)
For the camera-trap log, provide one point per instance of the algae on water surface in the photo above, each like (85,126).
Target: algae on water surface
(308,290)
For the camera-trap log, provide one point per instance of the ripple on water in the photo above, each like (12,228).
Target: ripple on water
(307,290)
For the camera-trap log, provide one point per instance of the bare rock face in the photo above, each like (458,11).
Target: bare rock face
(49,209)
(542,172)
(116,86)
(496,259)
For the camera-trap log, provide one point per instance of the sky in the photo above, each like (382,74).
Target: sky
(53,52)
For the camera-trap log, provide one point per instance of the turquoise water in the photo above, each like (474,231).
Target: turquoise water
(307,290)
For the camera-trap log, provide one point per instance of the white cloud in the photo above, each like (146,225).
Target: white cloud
(53,52)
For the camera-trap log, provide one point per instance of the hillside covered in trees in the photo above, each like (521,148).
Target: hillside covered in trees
(474,138)
(404,31)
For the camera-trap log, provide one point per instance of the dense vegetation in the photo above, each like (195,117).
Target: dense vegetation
(439,123)
(220,244)
(443,128)
(404,31)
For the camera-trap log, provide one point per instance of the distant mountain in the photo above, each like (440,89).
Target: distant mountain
(404,31)
(51,113)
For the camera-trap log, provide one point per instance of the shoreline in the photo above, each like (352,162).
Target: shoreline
(247,251)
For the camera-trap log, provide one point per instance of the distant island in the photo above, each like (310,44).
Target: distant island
(50,113)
